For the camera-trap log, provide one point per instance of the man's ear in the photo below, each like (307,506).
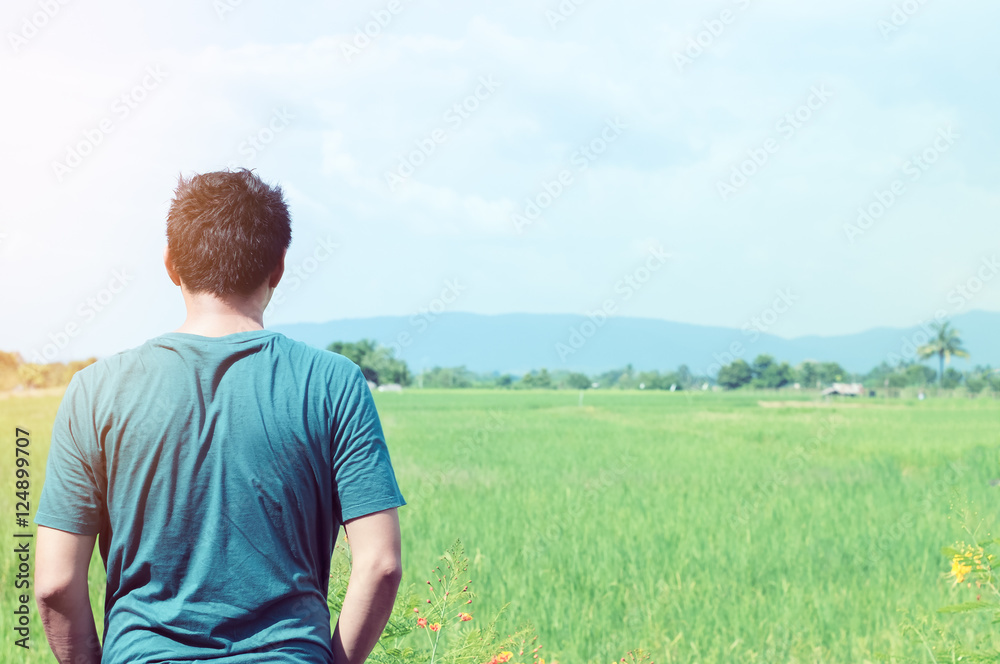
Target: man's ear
(276,275)
(169,264)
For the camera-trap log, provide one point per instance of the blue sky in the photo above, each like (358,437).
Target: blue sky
(747,162)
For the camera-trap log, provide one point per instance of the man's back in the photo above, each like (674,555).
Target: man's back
(217,471)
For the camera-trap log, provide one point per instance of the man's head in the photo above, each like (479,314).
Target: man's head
(227,232)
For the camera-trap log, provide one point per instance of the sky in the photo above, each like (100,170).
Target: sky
(694,162)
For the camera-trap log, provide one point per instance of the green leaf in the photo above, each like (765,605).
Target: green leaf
(969,606)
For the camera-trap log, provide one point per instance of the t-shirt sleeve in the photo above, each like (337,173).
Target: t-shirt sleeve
(72,498)
(362,472)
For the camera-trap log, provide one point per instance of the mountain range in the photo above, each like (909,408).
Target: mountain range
(517,343)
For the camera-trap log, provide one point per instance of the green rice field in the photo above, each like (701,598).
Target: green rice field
(701,527)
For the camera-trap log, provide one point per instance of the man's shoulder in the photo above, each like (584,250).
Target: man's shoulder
(106,367)
(334,362)
(137,360)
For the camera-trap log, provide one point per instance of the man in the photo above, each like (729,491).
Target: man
(216,463)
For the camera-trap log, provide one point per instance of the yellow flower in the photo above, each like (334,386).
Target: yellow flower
(959,569)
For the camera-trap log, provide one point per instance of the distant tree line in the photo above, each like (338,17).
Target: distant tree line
(764,372)
(380,366)
(624,378)
(15,373)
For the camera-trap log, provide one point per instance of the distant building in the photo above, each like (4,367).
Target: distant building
(391,387)
(845,390)
(372,385)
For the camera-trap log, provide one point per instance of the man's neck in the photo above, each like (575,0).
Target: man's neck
(218,327)
(211,316)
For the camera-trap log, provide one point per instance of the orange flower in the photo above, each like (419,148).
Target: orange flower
(465,617)
(504,657)
(435,627)
(421,622)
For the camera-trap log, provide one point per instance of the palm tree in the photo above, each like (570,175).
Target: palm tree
(944,345)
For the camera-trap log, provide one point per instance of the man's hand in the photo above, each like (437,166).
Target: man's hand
(61,563)
(376,569)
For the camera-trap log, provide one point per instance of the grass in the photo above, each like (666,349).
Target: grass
(701,527)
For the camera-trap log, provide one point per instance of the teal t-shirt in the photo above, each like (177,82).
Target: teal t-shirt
(217,472)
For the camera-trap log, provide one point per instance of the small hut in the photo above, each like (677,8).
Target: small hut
(845,390)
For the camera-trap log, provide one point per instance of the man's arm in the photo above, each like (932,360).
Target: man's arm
(61,563)
(376,569)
